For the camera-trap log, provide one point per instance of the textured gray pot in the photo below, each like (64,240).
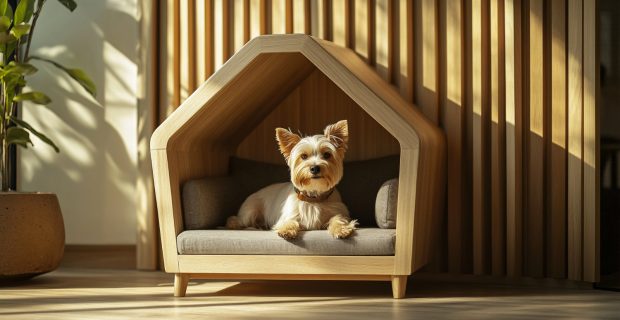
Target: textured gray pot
(32,235)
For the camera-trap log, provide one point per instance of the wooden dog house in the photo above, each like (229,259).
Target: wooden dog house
(300,82)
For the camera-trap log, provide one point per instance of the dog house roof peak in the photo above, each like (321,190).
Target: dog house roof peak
(272,65)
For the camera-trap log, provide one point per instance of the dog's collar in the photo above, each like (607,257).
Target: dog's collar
(318,198)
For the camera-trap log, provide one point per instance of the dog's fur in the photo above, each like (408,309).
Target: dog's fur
(310,201)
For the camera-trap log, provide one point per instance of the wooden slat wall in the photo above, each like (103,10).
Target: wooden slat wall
(513,83)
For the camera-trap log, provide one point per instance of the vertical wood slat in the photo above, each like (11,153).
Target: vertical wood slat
(591,172)
(320,19)
(255,15)
(278,16)
(403,43)
(514,148)
(238,23)
(246,21)
(362,20)
(480,81)
(575,135)
(426,58)
(173,63)
(341,20)
(556,225)
(220,32)
(262,16)
(536,146)
(383,39)
(187,49)
(288,9)
(301,16)
(498,140)
(201,37)
(454,126)
(148,95)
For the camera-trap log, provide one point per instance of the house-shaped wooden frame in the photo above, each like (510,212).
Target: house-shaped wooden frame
(198,139)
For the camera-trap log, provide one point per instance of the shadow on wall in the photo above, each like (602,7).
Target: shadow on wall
(95,173)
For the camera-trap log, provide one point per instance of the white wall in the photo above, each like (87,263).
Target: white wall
(95,173)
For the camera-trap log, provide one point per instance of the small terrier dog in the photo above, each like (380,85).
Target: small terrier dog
(310,201)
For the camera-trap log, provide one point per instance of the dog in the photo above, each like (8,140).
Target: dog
(310,201)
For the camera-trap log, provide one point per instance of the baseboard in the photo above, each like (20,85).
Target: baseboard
(99,256)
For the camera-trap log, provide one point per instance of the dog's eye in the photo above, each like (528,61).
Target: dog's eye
(304,156)
(326,155)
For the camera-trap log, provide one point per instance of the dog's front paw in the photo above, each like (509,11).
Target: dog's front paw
(288,234)
(289,230)
(233,223)
(342,230)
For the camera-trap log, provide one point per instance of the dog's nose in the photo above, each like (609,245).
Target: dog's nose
(315,169)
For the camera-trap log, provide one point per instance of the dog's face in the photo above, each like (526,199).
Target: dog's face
(315,162)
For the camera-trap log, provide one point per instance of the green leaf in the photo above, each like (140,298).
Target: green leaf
(6,38)
(39,135)
(34,96)
(19,136)
(19,30)
(20,68)
(5,23)
(77,75)
(9,12)
(69,4)
(24,11)
(3,5)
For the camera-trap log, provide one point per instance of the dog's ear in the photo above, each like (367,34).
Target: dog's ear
(338,134)
(286,141)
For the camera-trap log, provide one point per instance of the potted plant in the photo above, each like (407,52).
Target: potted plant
(31,225)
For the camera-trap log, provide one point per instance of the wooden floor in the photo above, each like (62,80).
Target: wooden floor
(93,292)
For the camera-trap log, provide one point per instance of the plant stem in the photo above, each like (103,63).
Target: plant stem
(34,23)
(5,166)
(4,152)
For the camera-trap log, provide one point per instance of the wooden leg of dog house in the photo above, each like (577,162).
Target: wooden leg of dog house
(399,286)
(180,284)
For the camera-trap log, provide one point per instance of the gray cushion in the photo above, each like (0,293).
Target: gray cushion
(374,242)
(385,204)
(207,202)
(360,183)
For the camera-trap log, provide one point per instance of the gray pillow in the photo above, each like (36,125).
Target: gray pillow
(386,203)
(209,201)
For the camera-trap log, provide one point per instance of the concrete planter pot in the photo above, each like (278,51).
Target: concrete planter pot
(32,235)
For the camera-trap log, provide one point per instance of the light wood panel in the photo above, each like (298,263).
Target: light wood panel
(148,113)
(383,38)
(453,123)
(534,244)
(480,121)
(315,103)
(575,139)
(278,16)
(341,22)
(363,29)
(403,48)
(294,265)
(239,23)
(301,16)
(514,138)
(187,49)
(556,226)
(591,127)
(498,140)
(426,54)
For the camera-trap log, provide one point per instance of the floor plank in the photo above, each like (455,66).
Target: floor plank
(96,286)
